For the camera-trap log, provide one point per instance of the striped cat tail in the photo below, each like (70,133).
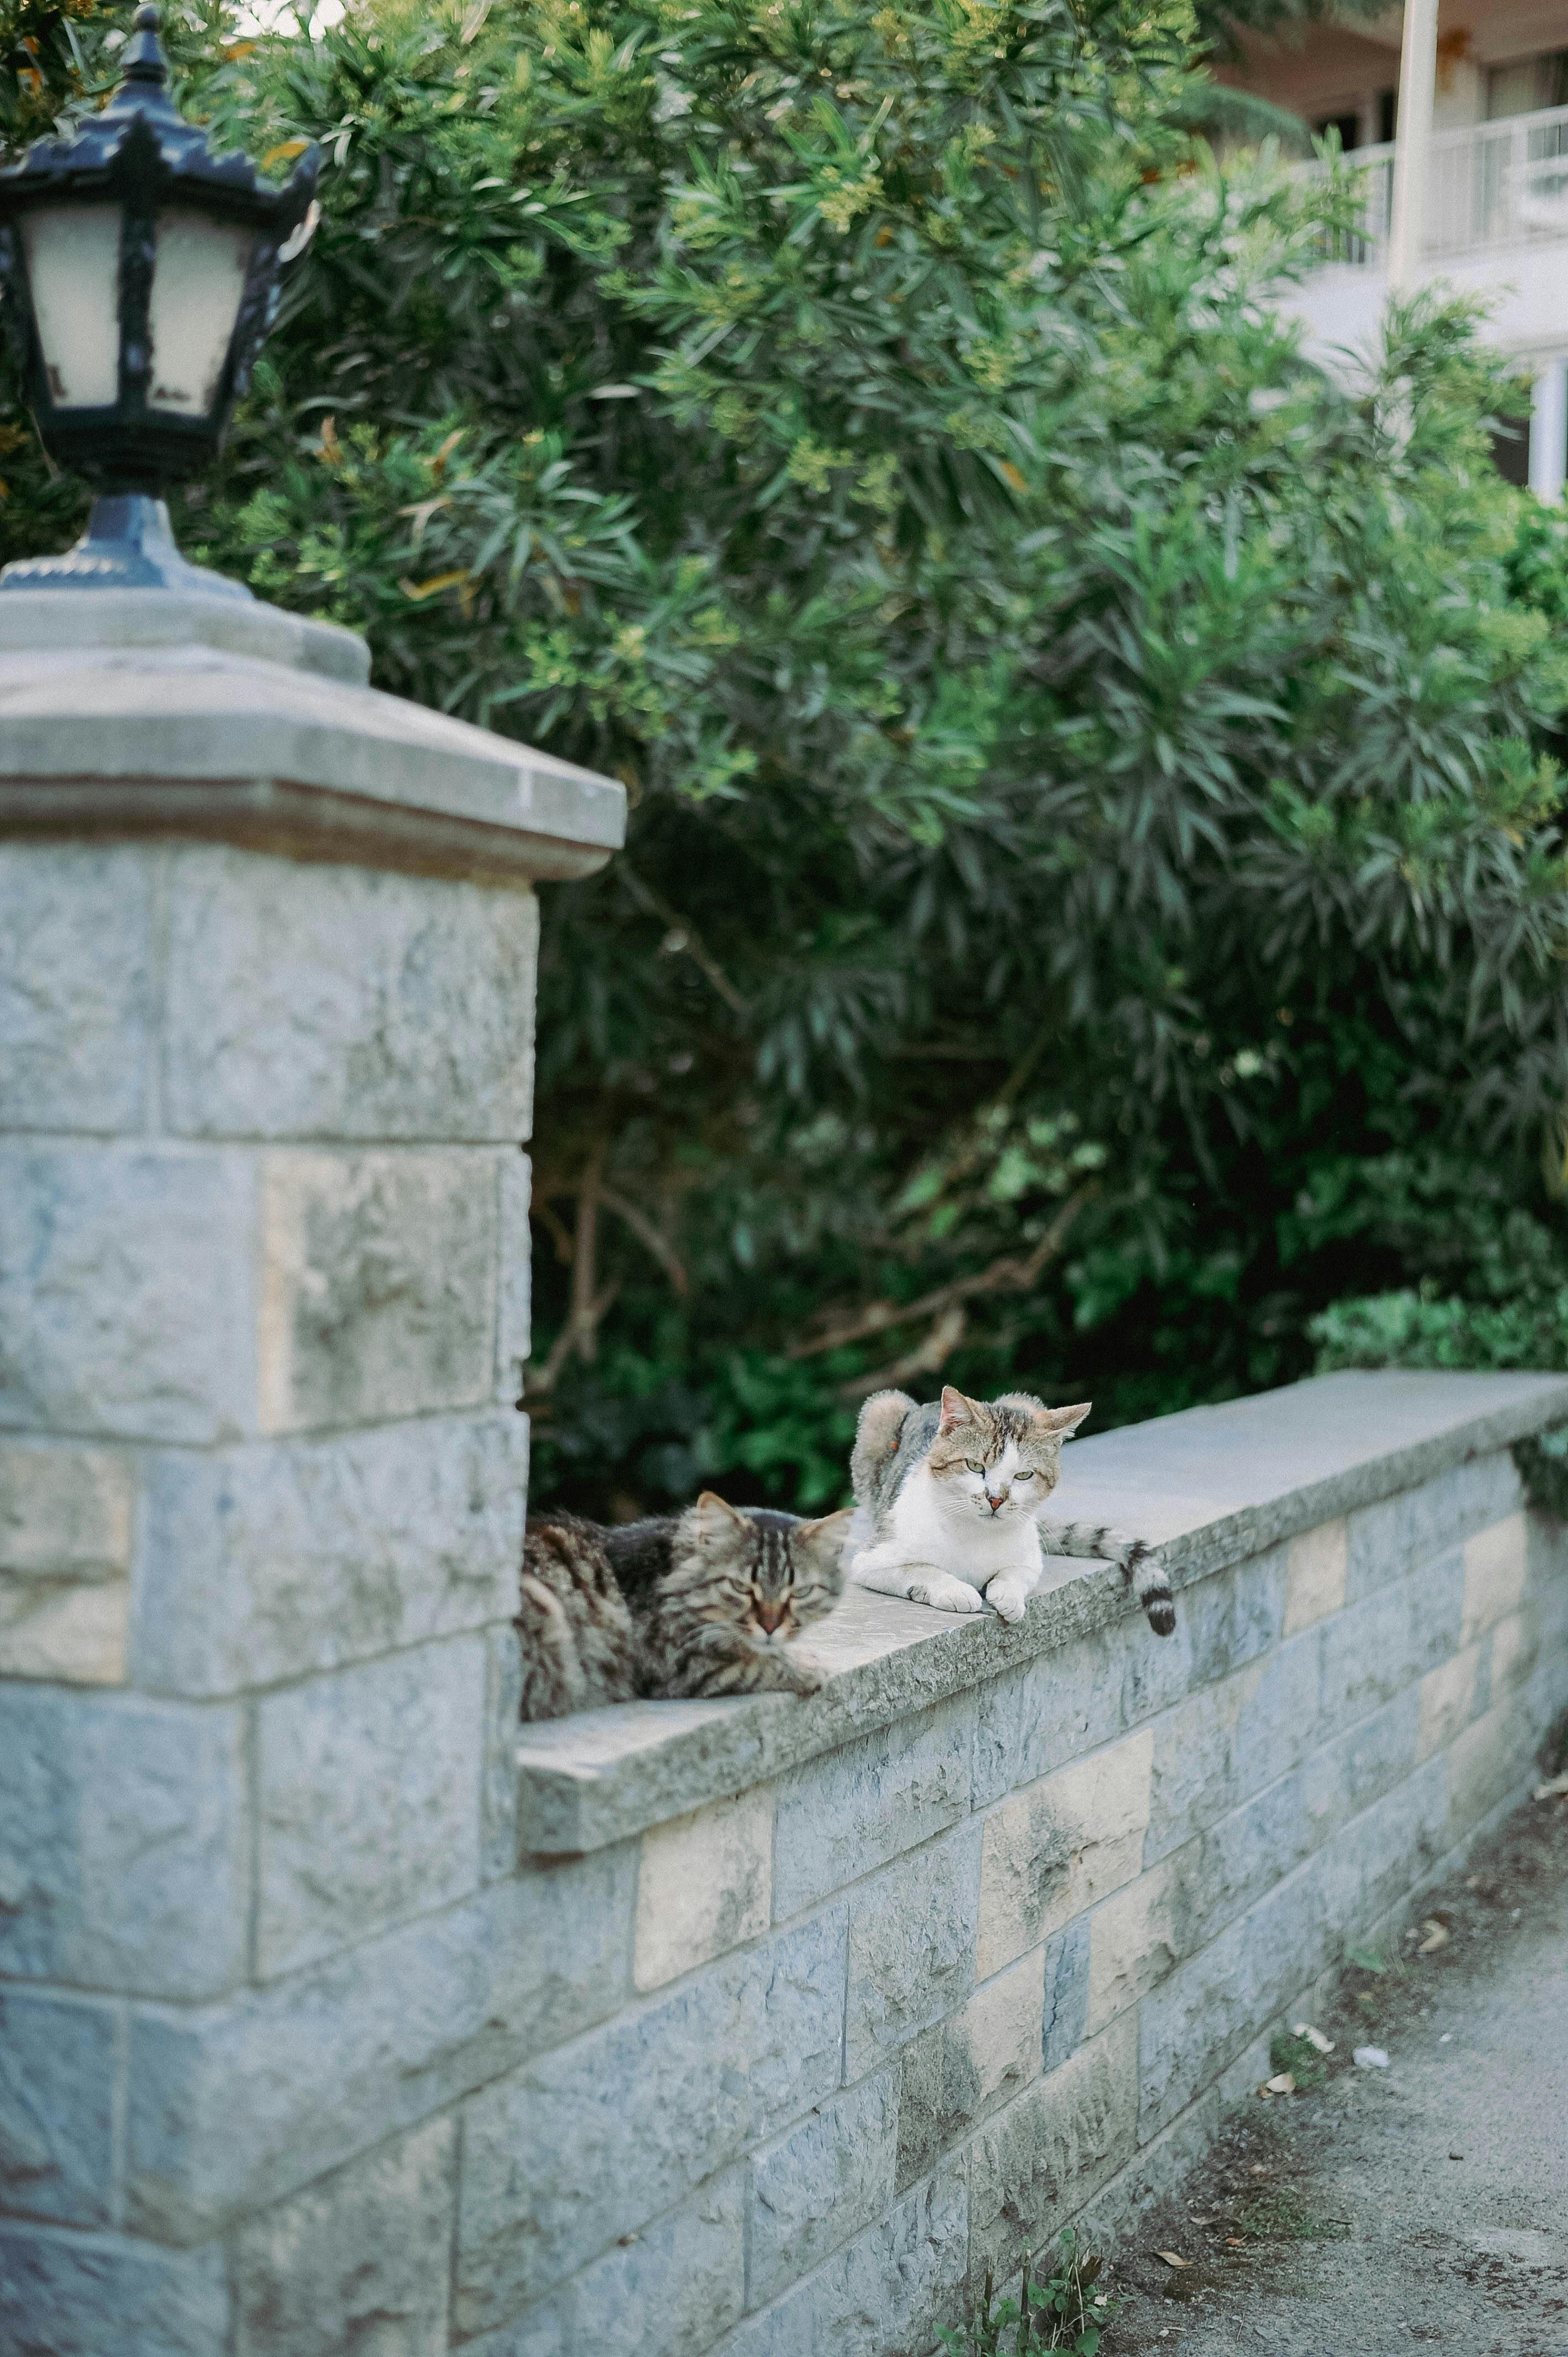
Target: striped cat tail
(1145,1576)
(1135,1559)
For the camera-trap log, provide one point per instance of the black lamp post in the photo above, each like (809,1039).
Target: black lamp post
(141,273)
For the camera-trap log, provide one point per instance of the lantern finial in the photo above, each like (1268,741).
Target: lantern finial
(144,66)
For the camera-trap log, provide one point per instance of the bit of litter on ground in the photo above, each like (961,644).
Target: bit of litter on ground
(1370,2058)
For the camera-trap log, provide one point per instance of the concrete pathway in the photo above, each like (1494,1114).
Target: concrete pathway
(1426,2204)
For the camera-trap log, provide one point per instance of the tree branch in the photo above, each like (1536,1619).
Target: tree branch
(643,1229)
(691,940)
(1007,1275)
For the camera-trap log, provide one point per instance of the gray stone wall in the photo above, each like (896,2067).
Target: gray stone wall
(910,2006)
(303,2054)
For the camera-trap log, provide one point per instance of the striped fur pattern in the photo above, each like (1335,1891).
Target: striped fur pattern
(950,1506)
(705,1602)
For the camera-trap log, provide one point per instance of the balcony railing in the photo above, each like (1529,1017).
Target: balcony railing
(1493,184)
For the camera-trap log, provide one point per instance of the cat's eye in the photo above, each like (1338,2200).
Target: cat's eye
(1025,1473)
(973,1464)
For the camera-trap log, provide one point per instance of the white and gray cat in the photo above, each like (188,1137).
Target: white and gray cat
(950,1505)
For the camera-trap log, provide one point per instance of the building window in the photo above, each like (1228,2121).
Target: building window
(1510,451)
(1528,85)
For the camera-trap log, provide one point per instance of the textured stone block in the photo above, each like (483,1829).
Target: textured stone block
(259,1564)
(911,1947)
(110,2296)
(122,1842)
(1246,1854)
(856,1808)
(884,2294)
(588,2143)
(962,2069)
(1447,1701)
(308,1000)
(126,1291)
(378,1286)
(1371,1862)
(65,1512)
(360,2260)
(824,2181)
(1496,1567)
(332,2060)
(1484,1764)
(1230,1617)
(1211,2007)
(1042,2158)
(75,1635)
(1066,1993)
(1144,2182)
(673,2288)
(1395,1535)
(1056,1848)
(1317,1563)
(1231,1740)
(514,1313)
(1373,1649)
(1346,1774)
(367,1788)
(1142,1932)
(498,1795)
(704,1886)
(1036,1717)
(75,984)
(1516,1649)
(544,2329)
(56,2092)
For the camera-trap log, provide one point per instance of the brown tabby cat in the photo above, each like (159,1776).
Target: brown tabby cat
(699,1603)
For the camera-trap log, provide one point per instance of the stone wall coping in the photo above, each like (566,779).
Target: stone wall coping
(40,621)
(150,712)
(1211,1486)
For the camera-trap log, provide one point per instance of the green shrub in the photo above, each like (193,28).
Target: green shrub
(1091,789)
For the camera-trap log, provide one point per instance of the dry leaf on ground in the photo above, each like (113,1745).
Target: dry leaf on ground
(1437,1936)
(1552,1788)
(1282,2083)
(1173,2258)
(1312,2037)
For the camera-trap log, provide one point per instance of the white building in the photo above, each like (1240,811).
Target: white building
(1458,110)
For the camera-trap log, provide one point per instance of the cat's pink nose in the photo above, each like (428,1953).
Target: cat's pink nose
(769,1616)
(994,1502)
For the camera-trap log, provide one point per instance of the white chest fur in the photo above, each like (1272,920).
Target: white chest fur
(931,1524)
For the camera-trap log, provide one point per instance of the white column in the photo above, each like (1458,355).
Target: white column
(1412,142)
(1549,430)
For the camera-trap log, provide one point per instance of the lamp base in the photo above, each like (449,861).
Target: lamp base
(128,545)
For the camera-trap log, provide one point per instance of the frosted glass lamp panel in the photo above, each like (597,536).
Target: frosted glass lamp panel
(73,269)
(198,280)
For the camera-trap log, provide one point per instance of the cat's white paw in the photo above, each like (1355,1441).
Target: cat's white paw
(1008,1597)
(945,1594)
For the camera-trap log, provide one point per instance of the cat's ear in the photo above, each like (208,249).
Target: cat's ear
(956,1409)
(715,1516)
(826,1536)
(1062,1420)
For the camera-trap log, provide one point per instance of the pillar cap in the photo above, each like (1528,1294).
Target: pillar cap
(137,710)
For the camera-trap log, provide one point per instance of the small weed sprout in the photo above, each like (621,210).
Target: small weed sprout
(1300,2057)
(1066,2311)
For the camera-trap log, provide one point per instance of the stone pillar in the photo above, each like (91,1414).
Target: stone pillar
(266,988)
